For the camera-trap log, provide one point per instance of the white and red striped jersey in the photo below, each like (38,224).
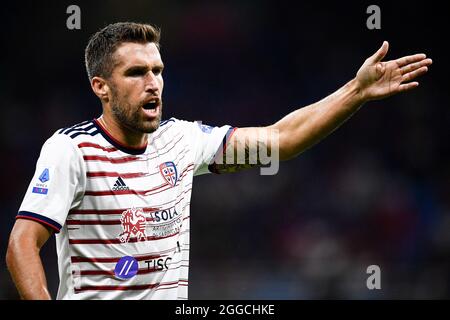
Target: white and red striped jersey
(121,215)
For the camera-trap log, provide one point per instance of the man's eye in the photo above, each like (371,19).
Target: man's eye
(136,73)
(157,71)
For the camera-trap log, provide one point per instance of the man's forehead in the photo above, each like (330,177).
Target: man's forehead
(130,53)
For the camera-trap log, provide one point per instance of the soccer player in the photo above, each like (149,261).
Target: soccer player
(116,190)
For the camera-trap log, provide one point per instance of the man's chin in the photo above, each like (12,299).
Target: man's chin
(151,126)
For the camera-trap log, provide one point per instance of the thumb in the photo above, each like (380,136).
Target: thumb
(380,54)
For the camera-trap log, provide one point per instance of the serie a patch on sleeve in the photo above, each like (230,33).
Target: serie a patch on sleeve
(42,185)
(204,127)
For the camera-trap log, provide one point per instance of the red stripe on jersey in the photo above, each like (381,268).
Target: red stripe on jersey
(159,149)
(134,287)
(173,287)
(190,167)
(168,288)
(115,174)
(93,174)
(120,211)
(108,212)
(122,192)
(117,241)
(160,133)
(92,222)
(97,222)
(115,288)
(76,259)
(186,170)
(124,159)
(111,272)
(180,282)
(182,153)
(112,160)
(95,272)
(168,202)
(159,153)
(97,146)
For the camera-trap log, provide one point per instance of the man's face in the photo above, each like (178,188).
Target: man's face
(136,85)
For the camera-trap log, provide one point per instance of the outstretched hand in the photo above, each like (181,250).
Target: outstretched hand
(377,79)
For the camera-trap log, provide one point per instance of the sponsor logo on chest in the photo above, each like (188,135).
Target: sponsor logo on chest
(140,226)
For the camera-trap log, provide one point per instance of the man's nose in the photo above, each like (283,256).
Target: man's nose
(152,84)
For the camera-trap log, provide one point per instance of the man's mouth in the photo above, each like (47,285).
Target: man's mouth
(152,105)
(151,108)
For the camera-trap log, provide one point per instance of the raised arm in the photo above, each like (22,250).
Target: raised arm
(23,261)
(304,127)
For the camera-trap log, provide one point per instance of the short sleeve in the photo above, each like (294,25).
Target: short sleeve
(206,142)
(58,182)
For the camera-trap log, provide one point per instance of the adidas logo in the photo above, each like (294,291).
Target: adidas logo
(119,185)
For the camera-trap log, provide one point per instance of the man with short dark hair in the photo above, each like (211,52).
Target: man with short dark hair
(117,189)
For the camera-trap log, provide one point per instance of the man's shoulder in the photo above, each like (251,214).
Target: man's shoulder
(179,124)
(67,138)
(172,125)
(85,128)
(171,121)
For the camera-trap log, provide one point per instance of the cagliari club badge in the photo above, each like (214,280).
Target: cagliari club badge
(169,172)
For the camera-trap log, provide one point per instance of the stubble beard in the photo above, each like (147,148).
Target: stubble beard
(128,116)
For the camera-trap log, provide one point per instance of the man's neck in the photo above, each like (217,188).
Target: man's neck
(122,134)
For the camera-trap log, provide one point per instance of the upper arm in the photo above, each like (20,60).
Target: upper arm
(29,233)
(23,261)
(248,148)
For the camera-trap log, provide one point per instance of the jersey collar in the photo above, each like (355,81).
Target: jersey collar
(117,144)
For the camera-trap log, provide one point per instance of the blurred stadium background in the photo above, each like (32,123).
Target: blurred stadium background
(377,191)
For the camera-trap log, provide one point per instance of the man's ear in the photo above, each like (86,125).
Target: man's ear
(100,88)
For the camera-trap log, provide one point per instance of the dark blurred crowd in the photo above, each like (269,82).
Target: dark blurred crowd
(375,192)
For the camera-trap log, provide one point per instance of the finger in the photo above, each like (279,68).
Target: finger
(401,62)
(380,68)
(414,74)
(407,86)
(414,66)
(380,54)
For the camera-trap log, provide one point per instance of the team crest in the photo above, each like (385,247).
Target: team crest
(169,172)
(133,224)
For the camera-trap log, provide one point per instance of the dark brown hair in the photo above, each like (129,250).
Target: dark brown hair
(102,45)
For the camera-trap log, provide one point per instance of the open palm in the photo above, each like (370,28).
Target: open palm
(378,79)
